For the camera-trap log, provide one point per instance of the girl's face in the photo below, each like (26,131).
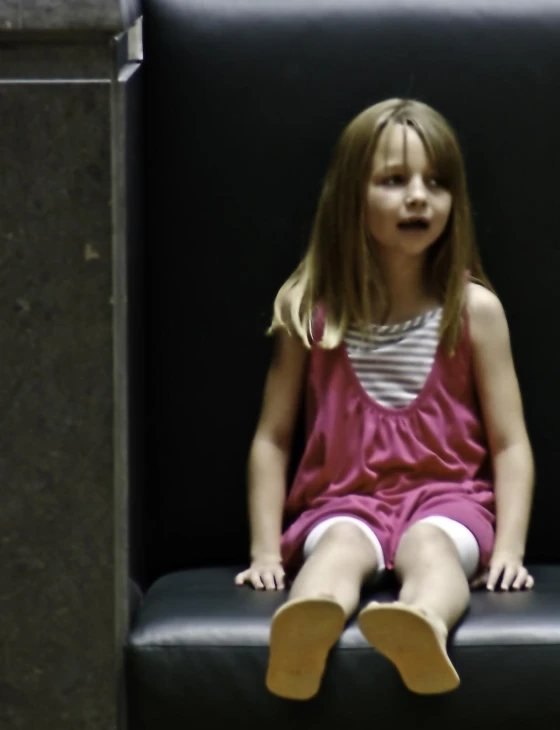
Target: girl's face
(407,206)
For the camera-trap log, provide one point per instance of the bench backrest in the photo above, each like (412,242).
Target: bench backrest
(243,103)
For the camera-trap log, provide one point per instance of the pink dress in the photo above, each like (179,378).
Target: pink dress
(390,467)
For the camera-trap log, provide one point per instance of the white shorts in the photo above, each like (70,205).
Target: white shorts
(460,536)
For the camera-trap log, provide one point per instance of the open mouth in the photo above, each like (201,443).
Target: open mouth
(414,224)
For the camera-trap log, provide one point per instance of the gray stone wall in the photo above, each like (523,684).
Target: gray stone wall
(64,244)
(68,15)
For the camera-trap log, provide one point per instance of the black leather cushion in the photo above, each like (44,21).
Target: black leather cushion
(197,657)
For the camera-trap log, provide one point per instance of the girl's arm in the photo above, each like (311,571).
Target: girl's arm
(512,459)
(268,461)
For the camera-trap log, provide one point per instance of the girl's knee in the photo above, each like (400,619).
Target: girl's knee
(425,542)
(345,534)
(349,540)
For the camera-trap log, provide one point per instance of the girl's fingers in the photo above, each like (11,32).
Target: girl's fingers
(495,572)
(268,581)
(257,581)
(510,572)
(240,578)
(521,579)
(514,577)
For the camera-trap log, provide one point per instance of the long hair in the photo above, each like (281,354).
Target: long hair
(339,269)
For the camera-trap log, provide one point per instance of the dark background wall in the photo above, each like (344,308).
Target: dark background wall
(242,112)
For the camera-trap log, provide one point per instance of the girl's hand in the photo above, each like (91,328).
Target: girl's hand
(505,572)
(264,574)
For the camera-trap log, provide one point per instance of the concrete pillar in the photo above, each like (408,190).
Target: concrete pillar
(69,94)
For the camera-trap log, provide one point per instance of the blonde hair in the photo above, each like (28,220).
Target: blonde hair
(339,270)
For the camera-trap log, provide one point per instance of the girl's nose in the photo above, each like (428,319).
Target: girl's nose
(416,192)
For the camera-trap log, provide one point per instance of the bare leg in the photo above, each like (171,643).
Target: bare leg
(337,568)
(433,579)
(412,633)
(324,594)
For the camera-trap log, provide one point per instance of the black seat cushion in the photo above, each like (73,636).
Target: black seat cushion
(201,643)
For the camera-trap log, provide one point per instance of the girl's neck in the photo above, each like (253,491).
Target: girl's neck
(408,293)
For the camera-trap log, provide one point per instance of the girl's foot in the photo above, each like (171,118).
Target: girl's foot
(302,633)
(414,641)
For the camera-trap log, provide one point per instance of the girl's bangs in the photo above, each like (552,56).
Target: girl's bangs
(441,149)
(438,140)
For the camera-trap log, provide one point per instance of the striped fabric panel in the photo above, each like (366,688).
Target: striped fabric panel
(393,362)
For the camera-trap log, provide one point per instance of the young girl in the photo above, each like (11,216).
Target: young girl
(417,457)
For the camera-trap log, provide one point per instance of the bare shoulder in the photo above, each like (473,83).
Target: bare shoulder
(481,302)
(289,344)
(286,308)
(487,318)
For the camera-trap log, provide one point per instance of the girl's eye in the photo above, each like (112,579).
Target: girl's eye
(394,180)
(435,182)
